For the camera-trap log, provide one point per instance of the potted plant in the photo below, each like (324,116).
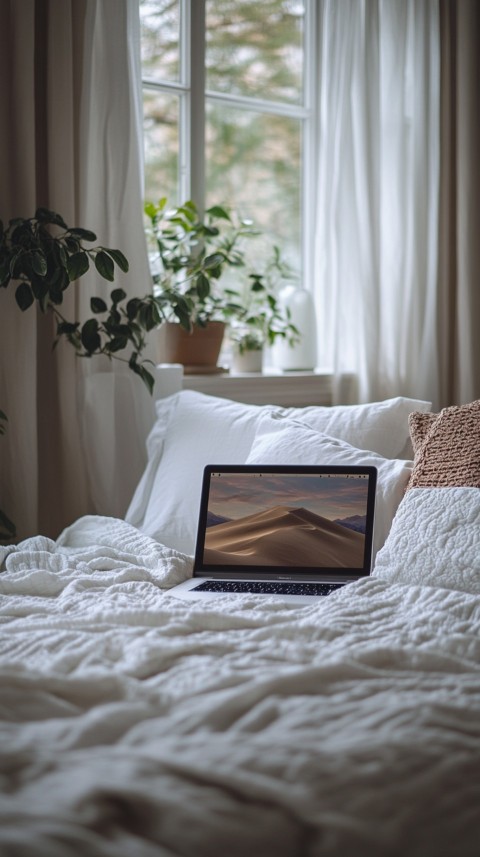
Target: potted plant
(261,320)
(190,260)
(190,255)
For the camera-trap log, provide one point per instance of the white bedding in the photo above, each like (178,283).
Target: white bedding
(135,724)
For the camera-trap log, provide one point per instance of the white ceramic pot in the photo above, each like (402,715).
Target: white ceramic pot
(249,361)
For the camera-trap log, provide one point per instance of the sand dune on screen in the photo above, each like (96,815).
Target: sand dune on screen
(284,536)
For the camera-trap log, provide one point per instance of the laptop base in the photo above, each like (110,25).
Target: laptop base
(200,588)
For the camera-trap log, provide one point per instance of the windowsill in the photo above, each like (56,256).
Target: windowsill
(272,387)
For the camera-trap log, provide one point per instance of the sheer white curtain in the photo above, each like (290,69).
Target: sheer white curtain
(378,196)
(69,89)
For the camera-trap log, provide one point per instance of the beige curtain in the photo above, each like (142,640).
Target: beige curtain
(70,105)
(459,273)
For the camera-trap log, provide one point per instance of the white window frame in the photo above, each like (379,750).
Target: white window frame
(192,94)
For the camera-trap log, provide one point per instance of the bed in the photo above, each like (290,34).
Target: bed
(136,724)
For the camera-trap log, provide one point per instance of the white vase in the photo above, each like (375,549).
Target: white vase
(302,355)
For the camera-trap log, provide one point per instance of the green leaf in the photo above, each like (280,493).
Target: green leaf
(98,305)
(132,308)
(189,211)
(211,231)
(90,337)
(83,234)
(202,285)
(118,343)
(181,221)
(39,263)
(153,317)
(105,266)
(157,316)
(4,272)
(113,318)
(54,296)
(67,327)
(150,210)
(140,370)
(77,265)
(118,258)
(190,205)
(17,264)
(214,260)
(118,295)
(62,256)
(23,234)
(24,296)
(257,285)
(183,315)
(71,244)
(218,211)
(44,215)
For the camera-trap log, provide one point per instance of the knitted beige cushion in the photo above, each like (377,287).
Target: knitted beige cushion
(419,425)
(446,447)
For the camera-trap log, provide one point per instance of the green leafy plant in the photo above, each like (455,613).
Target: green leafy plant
(189,257)
(262,319)
(42,256)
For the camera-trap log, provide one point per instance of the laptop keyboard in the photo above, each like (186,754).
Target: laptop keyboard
(272,587)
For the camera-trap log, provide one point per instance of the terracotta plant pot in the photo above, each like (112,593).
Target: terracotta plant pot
(198,351)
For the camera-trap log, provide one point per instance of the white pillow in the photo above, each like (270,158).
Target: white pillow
(296,444)
(435,540)
(193,429)
(379,426)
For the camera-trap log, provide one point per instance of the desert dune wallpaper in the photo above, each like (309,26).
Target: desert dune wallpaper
(286,520)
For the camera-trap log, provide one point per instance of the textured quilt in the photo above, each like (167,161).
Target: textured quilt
(133,724)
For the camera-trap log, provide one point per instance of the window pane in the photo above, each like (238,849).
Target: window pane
(160,39)
(253,166)
(161,135)
(256,48)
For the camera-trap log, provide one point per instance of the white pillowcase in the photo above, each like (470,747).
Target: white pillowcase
(296,444)
(379,426)
(434,540)
(193,429)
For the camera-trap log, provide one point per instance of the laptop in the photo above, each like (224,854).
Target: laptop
(292,532)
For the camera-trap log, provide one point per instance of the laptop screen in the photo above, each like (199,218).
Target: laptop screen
(286,519)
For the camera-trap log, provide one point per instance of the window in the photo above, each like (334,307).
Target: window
(226,87)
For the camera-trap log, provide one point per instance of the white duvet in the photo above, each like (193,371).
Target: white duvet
(136,724)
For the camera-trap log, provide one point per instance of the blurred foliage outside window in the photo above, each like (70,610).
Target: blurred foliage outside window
(254,109)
